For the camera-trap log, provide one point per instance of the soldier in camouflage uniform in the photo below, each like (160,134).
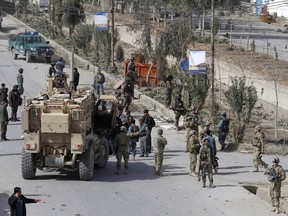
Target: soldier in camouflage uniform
(191,122)
(159,145)
(179,110)
(258,143)
(205,163)
(193,149)
(169,88)
(276,174)
(3,120)
(121,146)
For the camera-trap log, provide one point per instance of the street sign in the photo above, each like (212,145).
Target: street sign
(197,62)
(101,21)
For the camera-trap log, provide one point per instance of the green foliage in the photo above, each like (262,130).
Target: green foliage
(119,53)
(241,99)
(82,37)
(175,40)
(214,109)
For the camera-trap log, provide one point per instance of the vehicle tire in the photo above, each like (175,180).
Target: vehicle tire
(86,164)
(14,55)
(28,165)
(102,152)
(48,60)
(28,57)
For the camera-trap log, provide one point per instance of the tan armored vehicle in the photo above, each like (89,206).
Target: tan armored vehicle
(66,130)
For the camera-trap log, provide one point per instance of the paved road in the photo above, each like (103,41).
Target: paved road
(139,192)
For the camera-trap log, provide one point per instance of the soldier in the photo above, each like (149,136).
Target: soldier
(4,95)
(2,89)
(3,120)
(258,143)
(128,94)
(76,77)
(14,101)
(60,65)
(169,88)
(121,145)
(128,119)
(131,74)
(193,149)
(99,81)
(52,70)
(20,81)
(191,122)
(159,144)
(150,122)
(207,133)
(276,174)
(143,138)
(179,110)
(205,163)
(223,130)
(133,134)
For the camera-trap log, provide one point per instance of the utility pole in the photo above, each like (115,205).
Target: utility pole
(112,33)
(212,48)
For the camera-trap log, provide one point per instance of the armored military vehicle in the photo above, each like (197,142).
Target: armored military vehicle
(66,130)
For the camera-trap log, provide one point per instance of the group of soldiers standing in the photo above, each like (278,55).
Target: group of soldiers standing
(13,99)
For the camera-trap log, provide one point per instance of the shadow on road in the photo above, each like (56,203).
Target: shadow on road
(234,167)
(10,154)
(7,29)
(230,173)
(4,207)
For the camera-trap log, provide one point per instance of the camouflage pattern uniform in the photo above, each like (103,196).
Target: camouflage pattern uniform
(191,122)
(169,88)
(258,143)
(275,186)
(179,110)
(159,145)
(121,146)
(193,149)
(20,81)
(205,163)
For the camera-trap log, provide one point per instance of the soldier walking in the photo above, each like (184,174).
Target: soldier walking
(223,130)
(20,81)
(205,163)
(3,120)
(258,143)
(159,144)
(179,110)
(191,122)
(169,89)
(128,94)
(131,74)
(193,149)
(14,101)
(121,146)
(276,174)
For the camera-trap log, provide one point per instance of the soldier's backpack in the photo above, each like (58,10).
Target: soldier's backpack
(272,175)
(225,126)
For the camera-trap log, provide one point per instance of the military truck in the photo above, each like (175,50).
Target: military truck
(31,45)
(66,130)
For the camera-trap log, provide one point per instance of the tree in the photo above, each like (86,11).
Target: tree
(22,5)
(241,99)
(73,14)
(82,37)
(119,53)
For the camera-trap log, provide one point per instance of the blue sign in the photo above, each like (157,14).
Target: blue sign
(184,64)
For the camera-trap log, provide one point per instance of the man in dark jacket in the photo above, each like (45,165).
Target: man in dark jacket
(17,202)
(14,102)
(76,77)
(150,122)
(3,120)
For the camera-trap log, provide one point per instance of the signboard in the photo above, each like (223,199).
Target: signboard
(197,62)
(184,64)
(101,21)
(43,4)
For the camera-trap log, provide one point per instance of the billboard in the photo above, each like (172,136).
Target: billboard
(101,21)
(197,62)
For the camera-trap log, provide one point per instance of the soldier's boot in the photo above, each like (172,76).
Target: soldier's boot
(256,169)
(277,211)
(211,185)
(117,172)
(193,174)
(273,210)
(203,184)
(126,171)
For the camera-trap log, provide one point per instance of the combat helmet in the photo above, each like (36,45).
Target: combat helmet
(20,70)
(160,131)
(123,129)
(276,160)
